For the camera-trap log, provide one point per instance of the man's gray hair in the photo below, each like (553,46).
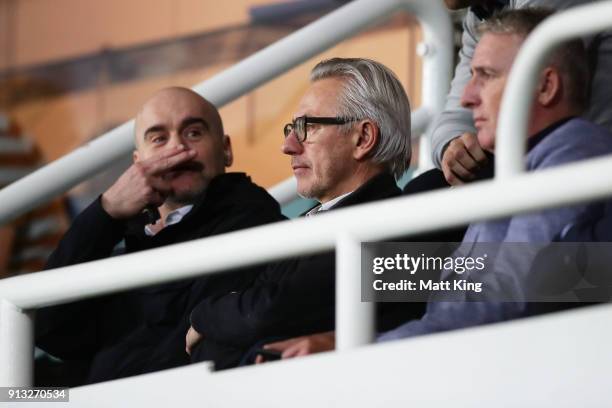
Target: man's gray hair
(372,91)
(570,58)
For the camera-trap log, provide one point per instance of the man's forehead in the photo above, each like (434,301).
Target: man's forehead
(496,51)
(321,98)
(170,110)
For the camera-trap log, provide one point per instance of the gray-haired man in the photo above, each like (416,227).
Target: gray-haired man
(348,141)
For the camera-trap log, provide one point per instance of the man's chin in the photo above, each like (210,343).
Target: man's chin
(486,141)
(185,196)
(308,192)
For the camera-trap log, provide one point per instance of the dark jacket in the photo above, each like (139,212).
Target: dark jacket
(291,298)
(144,330)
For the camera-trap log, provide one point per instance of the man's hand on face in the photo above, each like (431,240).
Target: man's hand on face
(462,159)
(302,346)
(192,339)
(142,185)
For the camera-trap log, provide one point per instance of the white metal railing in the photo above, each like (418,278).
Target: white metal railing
(523,363)
(377,221)
(248,74)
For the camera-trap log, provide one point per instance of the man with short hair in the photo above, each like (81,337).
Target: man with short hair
(179,170)
(349,140)
(556,136)
(455,148)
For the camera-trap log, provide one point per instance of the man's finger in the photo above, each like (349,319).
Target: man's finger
(187,345)
(296,350)
(157,165)
(451,177)
(280,345)
(460,171)
(472,146)
(466,161)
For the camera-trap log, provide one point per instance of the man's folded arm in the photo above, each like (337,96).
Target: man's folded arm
(285,300)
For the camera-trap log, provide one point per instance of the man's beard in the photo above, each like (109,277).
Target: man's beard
(185,197)
(191,195)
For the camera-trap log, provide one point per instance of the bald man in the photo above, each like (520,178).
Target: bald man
(178,174)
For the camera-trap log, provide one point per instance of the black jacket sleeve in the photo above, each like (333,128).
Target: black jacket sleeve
(92,236)
(71,330)
(291,297)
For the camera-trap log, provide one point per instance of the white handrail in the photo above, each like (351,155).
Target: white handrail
(246,75)
(517,99)
(377,221)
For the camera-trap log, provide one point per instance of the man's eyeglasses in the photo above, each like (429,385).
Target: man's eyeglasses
(300,125)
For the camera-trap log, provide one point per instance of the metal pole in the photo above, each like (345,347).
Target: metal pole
(16,346)
(436,51)
(354,318)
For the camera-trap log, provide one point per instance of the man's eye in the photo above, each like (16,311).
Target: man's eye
(193,134)
(158,139)
(487,74)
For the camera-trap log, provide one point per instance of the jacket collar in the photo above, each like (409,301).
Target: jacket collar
(379,187)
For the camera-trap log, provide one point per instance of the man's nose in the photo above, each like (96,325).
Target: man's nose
(176,140)
(470,97)
(291,146)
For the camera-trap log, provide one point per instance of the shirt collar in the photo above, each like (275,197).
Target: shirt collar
(538,137)
(173,217)
(326,206)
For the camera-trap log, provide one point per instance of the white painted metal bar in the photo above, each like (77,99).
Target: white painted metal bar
(354,318)
(239,79)
(516,102)
(10,174)
(436,51)
(419,121)
(285,191)
(64,173)
(16,346)
(591,179)
(561,360)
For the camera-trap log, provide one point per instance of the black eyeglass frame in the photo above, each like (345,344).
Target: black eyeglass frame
(303,122)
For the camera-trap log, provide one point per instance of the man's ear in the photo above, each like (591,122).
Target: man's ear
(366,138)
(228,155)
(135,156)
(550,88)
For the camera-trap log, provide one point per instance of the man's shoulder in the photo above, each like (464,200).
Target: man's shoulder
(235,202)
(575,140)
(238,188)
(379,187)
